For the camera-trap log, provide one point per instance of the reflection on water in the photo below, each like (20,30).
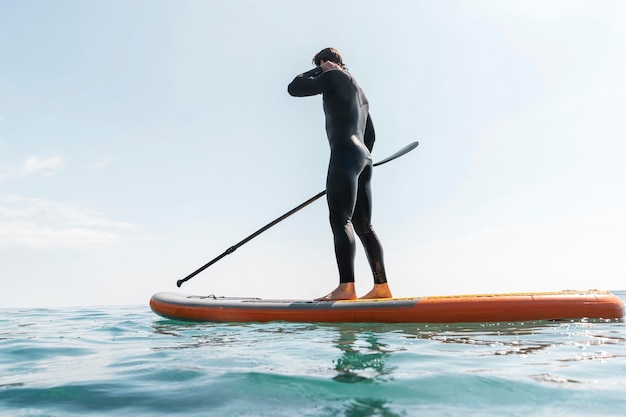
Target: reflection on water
(190,335)
(363,360)
(362,407)
(365,348)
(362,357)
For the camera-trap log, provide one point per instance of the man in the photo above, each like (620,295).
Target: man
(351,137)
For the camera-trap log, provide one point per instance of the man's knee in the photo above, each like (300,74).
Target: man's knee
(363,229)
(338,220)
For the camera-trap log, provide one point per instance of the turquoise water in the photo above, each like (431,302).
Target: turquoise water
(126,361)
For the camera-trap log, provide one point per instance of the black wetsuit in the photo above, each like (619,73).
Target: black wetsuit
(351,136)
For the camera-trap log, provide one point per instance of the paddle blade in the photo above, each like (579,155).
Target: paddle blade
(408,148)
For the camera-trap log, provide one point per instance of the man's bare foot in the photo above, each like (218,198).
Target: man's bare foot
(345,291)
(379,291)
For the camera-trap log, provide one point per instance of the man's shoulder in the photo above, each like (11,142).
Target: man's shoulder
(337,73)
(340,80)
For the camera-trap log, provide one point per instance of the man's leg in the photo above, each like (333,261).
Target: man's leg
(362,218)
(341,189)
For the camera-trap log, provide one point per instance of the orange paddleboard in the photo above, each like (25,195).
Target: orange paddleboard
(592,304)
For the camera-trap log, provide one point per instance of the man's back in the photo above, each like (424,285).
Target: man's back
(345,106)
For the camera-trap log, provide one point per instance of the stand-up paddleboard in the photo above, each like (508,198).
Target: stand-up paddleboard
(592,304)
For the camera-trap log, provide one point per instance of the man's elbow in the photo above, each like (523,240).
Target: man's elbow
(292,90)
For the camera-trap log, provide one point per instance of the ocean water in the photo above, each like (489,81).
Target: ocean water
(126,361)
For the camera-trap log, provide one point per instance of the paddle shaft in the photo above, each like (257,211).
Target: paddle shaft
(233,248)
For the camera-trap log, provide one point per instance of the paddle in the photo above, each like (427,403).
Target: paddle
(408,148)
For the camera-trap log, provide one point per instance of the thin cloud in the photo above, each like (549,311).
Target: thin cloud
(43,224)
(33,165)
(102,162)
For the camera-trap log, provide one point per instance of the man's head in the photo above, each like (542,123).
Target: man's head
(328,54)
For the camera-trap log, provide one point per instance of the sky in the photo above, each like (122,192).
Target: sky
(141,139)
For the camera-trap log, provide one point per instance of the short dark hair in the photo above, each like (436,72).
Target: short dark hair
(328,54)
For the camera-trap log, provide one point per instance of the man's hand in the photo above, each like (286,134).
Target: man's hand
(329,65)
